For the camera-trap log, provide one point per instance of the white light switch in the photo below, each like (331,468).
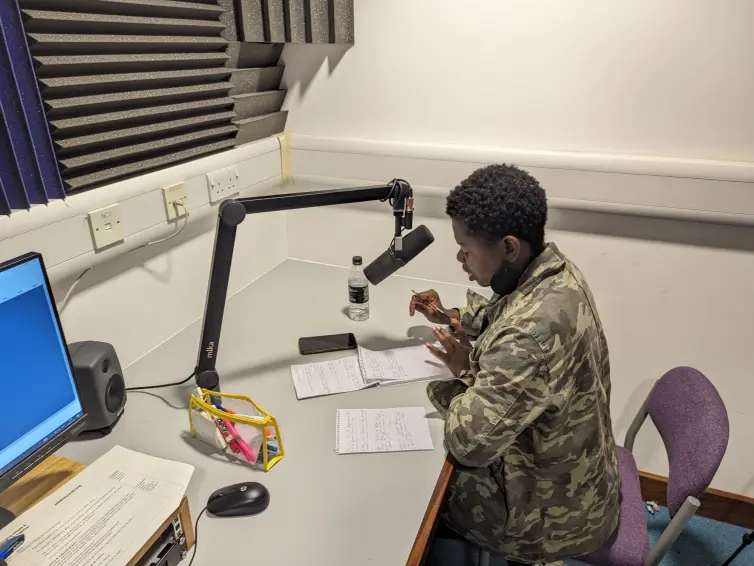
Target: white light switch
(106,225)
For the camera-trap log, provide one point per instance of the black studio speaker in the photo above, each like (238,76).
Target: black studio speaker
(100,382)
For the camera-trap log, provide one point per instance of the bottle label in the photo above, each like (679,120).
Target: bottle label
(358,295)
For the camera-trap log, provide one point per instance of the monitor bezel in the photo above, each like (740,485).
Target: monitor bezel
(35,458)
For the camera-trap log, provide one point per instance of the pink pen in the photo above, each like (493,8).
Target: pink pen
(245,450)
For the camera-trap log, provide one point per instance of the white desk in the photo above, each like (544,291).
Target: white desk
(325,509)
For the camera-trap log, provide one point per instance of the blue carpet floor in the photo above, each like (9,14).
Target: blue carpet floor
(704,543)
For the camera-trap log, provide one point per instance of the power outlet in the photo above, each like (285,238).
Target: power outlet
(106,225)
(222,183)
(175,194)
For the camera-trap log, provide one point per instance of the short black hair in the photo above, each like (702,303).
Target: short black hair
(498,201)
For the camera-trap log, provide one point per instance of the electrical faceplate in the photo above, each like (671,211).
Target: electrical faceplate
(222,183)
(173,194)
(106,225)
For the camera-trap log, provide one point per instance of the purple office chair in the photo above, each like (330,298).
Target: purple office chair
(693,423)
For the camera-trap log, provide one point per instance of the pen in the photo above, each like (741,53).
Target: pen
(240,442)
(9,546)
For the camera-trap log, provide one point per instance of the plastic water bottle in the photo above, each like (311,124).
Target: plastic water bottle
(358,291)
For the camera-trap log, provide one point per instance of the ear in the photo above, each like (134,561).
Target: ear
(511,248)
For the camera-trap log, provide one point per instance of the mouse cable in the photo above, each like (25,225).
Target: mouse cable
(196,536)
(145,387)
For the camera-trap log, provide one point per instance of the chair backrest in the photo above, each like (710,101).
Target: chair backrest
(693,423)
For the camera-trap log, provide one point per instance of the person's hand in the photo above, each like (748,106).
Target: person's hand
(429,304)
(456,349)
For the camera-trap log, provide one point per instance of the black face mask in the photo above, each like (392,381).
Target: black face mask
(505,280)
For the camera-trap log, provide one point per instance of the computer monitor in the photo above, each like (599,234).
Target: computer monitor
(40,405)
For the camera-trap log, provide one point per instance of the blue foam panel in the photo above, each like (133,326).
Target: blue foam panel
(4,203)
(46,182)
(10,177)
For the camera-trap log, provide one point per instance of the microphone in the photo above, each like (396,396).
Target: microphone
(392,260)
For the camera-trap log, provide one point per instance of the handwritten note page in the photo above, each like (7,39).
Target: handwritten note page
(327,378)
(360,431)
(401,365)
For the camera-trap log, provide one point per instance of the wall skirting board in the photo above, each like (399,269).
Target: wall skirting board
(716,504)
(706,191)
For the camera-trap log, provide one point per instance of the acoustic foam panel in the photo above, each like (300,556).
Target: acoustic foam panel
(23,159)
(73,165)
(295,21)
(43,21)
(245,81)
(258,103)
(4,202)
(154,8)
(253,129)
(71,65)
(121,137)
(97,44)
(78,105)
(251,20)
(69,127)
(274,21)
(133,85)
(341,21)
(10,175)
(229,18)
(317,21)
(243,55)
(21,85)
(101,84)
(113,174)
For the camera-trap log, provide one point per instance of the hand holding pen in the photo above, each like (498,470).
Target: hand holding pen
(429,304)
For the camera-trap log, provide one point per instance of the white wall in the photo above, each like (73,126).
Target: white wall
(667,78)
(138,298)
(669,292)
(642,108)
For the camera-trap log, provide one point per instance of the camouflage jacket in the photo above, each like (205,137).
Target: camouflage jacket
(529,425)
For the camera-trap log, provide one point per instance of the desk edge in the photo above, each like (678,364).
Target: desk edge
(427,527)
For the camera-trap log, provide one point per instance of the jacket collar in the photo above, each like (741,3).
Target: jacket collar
(550,261)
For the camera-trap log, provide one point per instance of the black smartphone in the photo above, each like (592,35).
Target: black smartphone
(331,343)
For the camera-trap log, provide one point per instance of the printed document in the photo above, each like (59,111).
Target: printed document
(359,431)
(104,515)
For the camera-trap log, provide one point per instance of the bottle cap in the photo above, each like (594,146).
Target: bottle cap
(357,260)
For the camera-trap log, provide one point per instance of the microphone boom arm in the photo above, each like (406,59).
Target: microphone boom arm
(233,211)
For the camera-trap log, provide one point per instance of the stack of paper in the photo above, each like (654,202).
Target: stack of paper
(104,515)
(367,369)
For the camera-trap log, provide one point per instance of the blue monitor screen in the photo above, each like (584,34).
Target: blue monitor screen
(39,396)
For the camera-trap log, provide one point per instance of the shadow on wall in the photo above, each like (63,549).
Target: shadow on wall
(303,62)
(656,229)
(138,258)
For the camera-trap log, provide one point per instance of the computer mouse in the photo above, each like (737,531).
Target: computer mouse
(239,500)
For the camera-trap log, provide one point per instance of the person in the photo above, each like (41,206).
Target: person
(527,416)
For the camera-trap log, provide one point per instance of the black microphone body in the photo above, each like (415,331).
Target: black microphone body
(391,261)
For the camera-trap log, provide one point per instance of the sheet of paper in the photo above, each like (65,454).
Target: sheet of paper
(360,431)
(327,378)
(104,515)
(401,365)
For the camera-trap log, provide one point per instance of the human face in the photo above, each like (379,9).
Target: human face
(479,259)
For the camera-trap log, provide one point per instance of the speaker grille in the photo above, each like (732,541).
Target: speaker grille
(115,394)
